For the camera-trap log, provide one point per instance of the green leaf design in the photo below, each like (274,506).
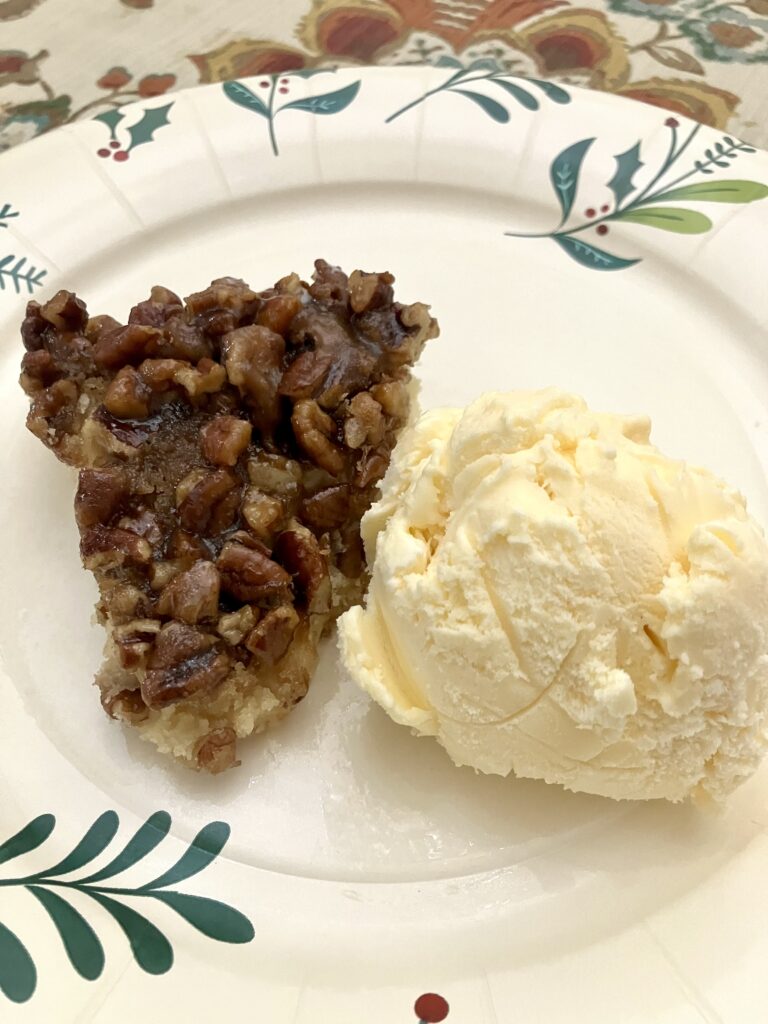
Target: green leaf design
(18,977)
(111,118)
(446,61)
(20,274)
(245,97)
(151,950)
(328,103)
(95,841)
(683,222)
(6,213)
(83,948)
(552,91)
(491,107)
(484,64)
(204,848)
(212,918)
(732,190)
(564,174)
(305,73)
(33,834)
(150,835)
(589,255)
(151,120)
(627,166)
(523,97)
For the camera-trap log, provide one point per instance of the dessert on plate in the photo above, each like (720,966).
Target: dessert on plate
(554,597)
(228,445)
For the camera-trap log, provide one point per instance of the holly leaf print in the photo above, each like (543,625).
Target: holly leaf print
(627,166)
(590,256)
(328,103)
(564,174)
(245,97)
(151,120)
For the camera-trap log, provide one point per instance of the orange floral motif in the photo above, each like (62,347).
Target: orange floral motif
(702,102)
(577,42)
(245,57)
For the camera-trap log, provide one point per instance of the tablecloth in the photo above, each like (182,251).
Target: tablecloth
(62,60)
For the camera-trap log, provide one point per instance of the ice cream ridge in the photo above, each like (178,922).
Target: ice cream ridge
(554,597)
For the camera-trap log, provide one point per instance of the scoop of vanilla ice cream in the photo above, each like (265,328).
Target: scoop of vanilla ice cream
(552,596)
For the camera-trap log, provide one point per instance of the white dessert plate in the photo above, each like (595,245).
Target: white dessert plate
(562,237)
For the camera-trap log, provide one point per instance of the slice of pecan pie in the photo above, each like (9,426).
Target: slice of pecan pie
(228,446)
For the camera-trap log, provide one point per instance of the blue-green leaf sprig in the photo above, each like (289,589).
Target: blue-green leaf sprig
(635,205)
(150,947)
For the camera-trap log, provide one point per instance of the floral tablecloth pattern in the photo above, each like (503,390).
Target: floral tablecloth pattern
(61,60)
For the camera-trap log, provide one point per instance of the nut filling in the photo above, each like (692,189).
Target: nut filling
(228,446)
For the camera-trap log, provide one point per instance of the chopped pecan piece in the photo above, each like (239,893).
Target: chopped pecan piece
(100,493)
(224,439)
(369,291)
(65,312)
(127,705)
(327,509)
(123,345)
(198,503)
(102,547)
(261,512)
(313,429)
(250,575)
(127,397)
(272,636)
(335,365)
(365,423)
(235,626)
(192,596)
(217,752)
(278,312)
(253,360)
(184,662)
(300,553)
(274,474)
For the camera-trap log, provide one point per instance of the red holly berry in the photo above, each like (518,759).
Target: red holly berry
(589,212)
(156,85)
(103,152)
(605,208)
(115,144)
(672,122)
(264,85)
(121,155)
(115,78)
(431,1008)
(282,89)
(283,81)
(602,229)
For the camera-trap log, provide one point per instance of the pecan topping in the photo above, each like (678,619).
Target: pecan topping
(100,493)
(271,638)
(327,509)
(217,751)
(253,360)
(184,662)
(127,396)
(198,501)
(228,445)
(192,596)
(300,553)
(249,574)
(103,547)
(224,439)
(313,429)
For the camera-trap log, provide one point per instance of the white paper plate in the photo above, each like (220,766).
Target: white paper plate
(364,870)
